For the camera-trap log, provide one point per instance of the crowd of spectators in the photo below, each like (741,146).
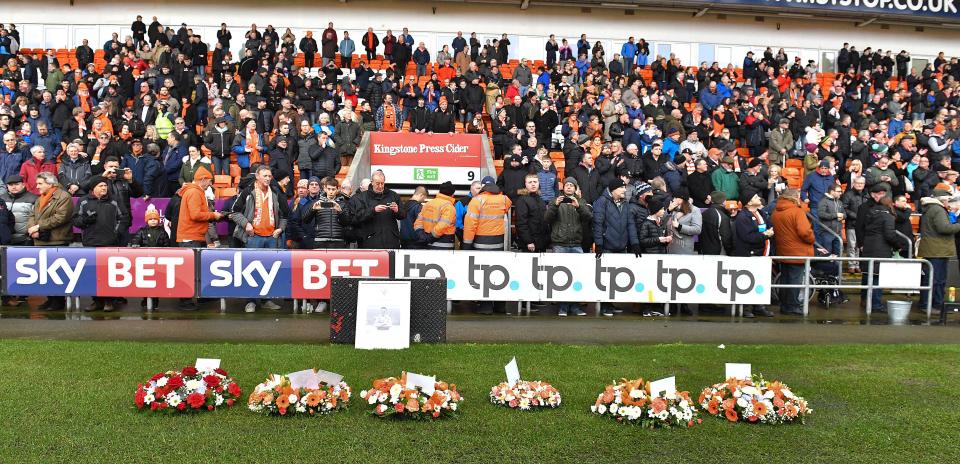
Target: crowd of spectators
(775,157)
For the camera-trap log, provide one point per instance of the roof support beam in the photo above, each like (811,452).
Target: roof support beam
(701,12)
(867,22)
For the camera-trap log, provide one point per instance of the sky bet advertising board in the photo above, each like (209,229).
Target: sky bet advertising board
(128,272)
(230,273)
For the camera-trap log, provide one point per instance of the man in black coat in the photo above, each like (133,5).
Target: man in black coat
(588,178)
(533,232)
(98,215)
(716,237)
(374,214)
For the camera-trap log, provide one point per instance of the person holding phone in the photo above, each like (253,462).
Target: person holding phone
(374,213)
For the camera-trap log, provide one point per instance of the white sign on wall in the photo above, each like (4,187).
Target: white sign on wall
(507,276)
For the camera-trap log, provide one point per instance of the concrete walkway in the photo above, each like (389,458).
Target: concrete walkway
(315,329)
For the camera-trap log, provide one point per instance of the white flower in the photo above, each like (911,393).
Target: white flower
(162,382)
(363,393)
(602,409)
(613,408)
(788,394)
(453,406)
(381,408)
(524,404)
(769,394)
(672,396)
(173,399)
(684,404)
(593,408)
(396,389)
(218,400)
(149,398)
(292,398)
(721,346)
(301,408)
(193,385)
(636,394)
(742,402)
(749,390)
(372,399)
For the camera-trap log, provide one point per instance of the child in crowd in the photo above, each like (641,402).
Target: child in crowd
(547,174)
(152,235)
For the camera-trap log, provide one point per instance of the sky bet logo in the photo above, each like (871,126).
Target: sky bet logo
(560,277)
(284,273)
(74,271)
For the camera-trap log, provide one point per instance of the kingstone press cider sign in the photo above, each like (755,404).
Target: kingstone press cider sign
(407,158)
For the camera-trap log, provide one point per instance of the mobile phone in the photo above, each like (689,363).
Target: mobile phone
(566,200)
(326,204)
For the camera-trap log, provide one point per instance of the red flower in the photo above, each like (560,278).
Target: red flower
(157,376)
(212,381)
(220,371)
(230,402)
(196,400)
(189,371)
(175,382)
(398,407)
(154,406)
(209,407)
(182,406)
(233,389)
(139,399)
(436,413)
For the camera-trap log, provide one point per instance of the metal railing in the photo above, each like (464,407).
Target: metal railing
(870,287)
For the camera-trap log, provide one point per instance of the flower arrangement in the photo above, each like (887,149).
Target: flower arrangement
(187,390)
(276,397)
(525,395)
(391,397)
(754,401)
(630,401)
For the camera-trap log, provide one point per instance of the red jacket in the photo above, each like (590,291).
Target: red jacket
(31,168)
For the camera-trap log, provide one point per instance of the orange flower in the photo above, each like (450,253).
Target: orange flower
(267,398)
(427,407)
(703,396)
(441,386)
(344,396)
(713,407)
(729,403)
(658,405)
(778,402)
(282,402)
(413,405)
(731,415)
(607,396)
(759,408)
(791,410)
(545,394)
(313,399)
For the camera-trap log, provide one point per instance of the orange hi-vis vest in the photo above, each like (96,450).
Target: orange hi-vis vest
(439,219)
(484,224)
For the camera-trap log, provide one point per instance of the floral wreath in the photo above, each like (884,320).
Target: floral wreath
(276,397)
(630,401)
(525,395)
(187,390)
(389,397)
(754,401)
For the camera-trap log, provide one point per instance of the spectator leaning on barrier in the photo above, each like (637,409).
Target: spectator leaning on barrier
(374,213)
(51,223)
(874,229)
(98,216)
(436,224)
(937,241)
(794,237)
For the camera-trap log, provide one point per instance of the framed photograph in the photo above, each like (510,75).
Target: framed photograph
(383,315)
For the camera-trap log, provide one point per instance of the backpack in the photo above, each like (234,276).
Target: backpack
(172,215)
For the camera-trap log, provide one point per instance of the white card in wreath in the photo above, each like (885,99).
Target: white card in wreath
(513,372)
(306,378)
(383,315)
(738,371)
(424,382)
(207,364)
(667,386)
(329,378)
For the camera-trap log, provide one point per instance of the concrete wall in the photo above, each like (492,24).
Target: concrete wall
(54,23)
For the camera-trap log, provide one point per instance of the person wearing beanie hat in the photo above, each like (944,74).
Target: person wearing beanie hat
(752,232)
(151,235)
(652,230)
(568,217)
(614,227)
(753,182)
(193,218)
(98,216)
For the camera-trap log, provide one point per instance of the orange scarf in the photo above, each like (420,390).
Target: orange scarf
(46,197)
(252,139)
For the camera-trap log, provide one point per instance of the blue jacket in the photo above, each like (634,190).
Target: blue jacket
(146,171)
(613,227)
(895,127)
(544,79)
(583,66)
(709,100)
(462,210)
(670,148)
(814,188)
(50,143)
(421,56)
(174,161)
(628,51)
(10,162)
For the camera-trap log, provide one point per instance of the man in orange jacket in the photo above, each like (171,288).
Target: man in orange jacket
(794,237)
(194,218)
(437,222)
(483,226)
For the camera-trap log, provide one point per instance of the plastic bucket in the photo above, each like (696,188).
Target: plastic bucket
(899,311)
